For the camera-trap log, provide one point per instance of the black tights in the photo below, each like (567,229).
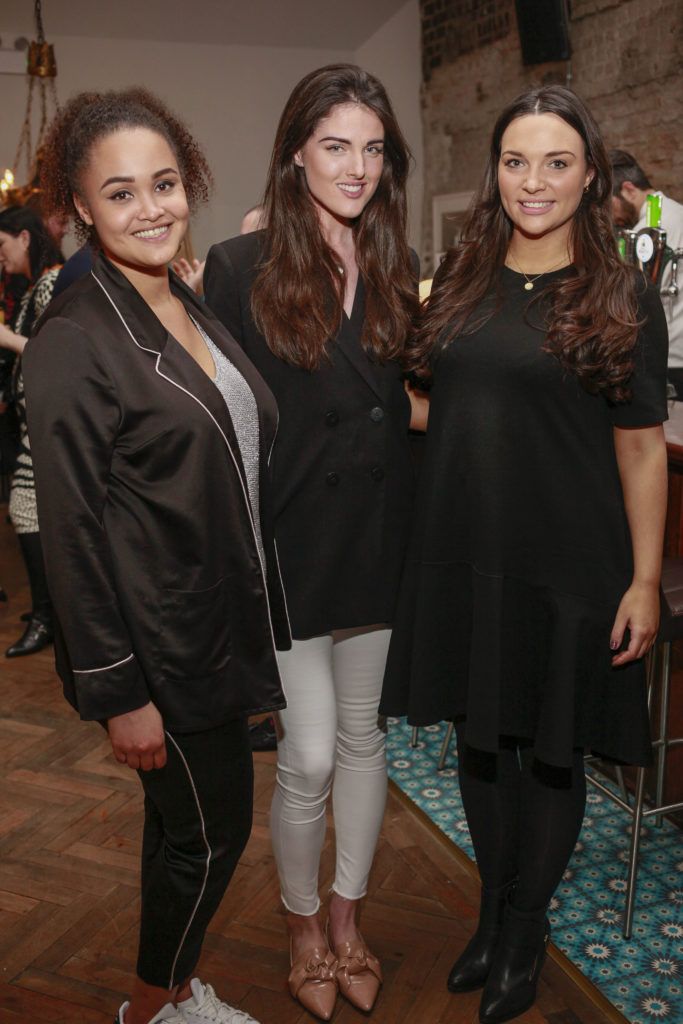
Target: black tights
(524,817)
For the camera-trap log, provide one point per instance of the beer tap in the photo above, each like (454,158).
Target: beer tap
(672,289)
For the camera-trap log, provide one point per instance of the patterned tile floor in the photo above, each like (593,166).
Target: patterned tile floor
(642,977)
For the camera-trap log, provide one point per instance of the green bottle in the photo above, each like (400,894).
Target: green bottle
(653,211)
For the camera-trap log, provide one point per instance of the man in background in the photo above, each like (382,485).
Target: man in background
(630,189)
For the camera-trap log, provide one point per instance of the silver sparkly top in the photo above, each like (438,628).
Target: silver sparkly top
(241,404)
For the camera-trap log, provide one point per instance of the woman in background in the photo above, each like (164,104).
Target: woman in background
(151,433)
(531,592)
(28,250)
(322,301)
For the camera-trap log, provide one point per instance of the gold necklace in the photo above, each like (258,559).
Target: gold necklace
(530,281)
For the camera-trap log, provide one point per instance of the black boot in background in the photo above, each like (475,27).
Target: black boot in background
(38,633)
(262,735)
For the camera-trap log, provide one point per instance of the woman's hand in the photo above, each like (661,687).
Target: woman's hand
(137,738)
(639,613)
(8,339)
(191,273)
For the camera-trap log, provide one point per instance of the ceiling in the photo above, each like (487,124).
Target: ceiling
(325,24)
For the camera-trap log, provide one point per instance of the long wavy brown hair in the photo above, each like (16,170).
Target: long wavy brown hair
(592,319)
(297,298)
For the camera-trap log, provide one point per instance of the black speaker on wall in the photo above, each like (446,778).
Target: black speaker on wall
(543,30)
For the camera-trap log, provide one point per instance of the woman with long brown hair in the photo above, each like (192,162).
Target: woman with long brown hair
(531,589)
(322,301)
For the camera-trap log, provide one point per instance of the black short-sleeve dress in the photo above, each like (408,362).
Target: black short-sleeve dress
(521,550)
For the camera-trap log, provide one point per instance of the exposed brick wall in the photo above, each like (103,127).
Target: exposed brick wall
(627,64)
(453,27)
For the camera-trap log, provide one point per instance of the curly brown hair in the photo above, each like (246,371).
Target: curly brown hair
(89,117)
(592,325)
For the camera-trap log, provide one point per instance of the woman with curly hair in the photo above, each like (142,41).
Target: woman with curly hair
(27,250)
(531,589)
(323,299)
(151,433)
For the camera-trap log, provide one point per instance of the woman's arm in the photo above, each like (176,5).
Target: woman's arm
(642,462)
(8,339)
(419,407)
(73,420)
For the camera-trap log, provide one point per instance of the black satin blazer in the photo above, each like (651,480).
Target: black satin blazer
(148,535)
(343,477)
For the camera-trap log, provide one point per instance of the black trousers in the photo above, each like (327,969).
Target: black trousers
(198,813)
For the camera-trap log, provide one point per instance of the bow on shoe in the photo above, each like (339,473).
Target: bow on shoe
(317,965)
(359,974)
(313,981)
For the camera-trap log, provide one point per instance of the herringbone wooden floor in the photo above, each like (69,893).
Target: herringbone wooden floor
(69,835)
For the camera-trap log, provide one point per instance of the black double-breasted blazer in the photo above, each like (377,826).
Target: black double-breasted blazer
(149,541)
(342,471)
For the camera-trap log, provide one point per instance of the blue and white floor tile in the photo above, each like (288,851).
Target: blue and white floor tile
(643,976)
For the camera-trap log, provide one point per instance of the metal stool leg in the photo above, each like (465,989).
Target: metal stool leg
(414,735)
(652,662)
(633,853)
(625,795)
(444,747)
(663,716)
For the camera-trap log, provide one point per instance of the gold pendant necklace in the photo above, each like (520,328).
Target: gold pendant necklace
(530,281)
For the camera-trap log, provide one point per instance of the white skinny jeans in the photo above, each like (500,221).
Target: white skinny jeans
(331,740)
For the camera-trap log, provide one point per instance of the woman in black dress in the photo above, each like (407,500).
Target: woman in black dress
(531,589)
(151,433)
(322,301)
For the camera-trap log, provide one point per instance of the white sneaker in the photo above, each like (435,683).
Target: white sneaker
(206,1006)
(168,1014)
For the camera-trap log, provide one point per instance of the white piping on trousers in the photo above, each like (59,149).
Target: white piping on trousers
(89,671)
(208,860)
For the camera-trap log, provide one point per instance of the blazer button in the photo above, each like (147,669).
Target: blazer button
(377,473)
(332,479)
(377,414)
(332,418)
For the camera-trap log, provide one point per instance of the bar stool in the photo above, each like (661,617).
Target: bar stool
(443,754)
(658,682)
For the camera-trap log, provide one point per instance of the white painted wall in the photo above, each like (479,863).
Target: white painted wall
(231,96)
(393,55)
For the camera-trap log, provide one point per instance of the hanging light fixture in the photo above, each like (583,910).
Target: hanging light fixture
(42,72)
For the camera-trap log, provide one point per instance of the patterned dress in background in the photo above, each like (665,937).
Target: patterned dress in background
(22,501)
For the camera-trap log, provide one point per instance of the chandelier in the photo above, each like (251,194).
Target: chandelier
(42,72)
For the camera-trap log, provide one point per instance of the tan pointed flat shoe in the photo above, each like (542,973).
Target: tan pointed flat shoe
(359,973)
(312,980)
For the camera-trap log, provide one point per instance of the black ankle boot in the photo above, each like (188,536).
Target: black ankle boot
(510,988)
(37,635)
(472,967)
